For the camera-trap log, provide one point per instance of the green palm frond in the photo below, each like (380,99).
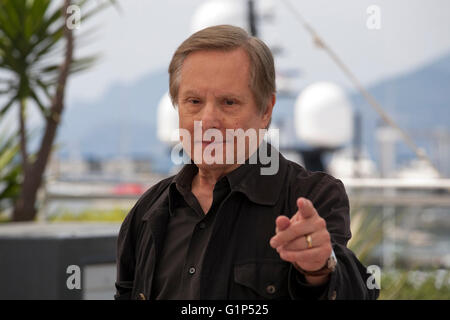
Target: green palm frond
(367,232)
(10,169)
(31,46)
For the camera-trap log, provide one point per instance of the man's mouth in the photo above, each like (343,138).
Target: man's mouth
(208,142)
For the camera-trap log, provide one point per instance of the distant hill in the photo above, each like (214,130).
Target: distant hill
(418,100)
(123,121)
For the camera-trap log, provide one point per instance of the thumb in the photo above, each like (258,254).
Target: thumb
(282,222)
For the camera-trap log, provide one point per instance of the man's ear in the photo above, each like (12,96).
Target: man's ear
(268,113)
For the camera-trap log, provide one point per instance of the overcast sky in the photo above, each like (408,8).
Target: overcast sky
(143,36)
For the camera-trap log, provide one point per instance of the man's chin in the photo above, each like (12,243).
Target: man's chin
(212,165)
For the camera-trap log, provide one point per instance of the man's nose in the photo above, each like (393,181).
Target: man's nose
(210,116)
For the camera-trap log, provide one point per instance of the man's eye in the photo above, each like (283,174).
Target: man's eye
(194,101)
(229,102)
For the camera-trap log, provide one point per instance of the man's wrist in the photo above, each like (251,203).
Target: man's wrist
(319,276)
(314,280)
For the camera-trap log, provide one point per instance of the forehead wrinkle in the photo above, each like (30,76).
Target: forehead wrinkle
(203,63)
(199,75)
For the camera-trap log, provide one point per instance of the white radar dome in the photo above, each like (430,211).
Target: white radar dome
(323,116)
(167,120)
(217,12)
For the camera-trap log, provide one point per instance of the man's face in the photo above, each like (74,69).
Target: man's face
(214,89)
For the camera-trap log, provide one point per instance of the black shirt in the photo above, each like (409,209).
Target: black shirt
(189,229)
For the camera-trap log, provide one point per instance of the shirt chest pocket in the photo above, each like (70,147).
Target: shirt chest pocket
(261,280)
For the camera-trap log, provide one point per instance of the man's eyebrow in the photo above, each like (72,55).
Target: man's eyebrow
(221,95)
(189,93)
(230,95)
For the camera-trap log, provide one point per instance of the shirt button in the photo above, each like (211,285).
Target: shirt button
(202,225)
(191,270)
(270,289)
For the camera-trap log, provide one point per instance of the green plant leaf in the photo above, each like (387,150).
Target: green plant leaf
(8,105)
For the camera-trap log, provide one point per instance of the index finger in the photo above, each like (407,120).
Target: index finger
(306,208)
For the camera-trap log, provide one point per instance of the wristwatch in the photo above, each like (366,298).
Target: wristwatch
(329,267)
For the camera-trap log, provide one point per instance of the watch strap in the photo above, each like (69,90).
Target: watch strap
(329,267)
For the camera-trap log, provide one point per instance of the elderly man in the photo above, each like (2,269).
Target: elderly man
(224,229)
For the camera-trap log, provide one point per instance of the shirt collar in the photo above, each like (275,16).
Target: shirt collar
(247,179)
(259,188)
(181,184)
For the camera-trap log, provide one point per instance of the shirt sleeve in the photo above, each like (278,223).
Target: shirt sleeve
(302,290)
(125,258)
(129,237)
